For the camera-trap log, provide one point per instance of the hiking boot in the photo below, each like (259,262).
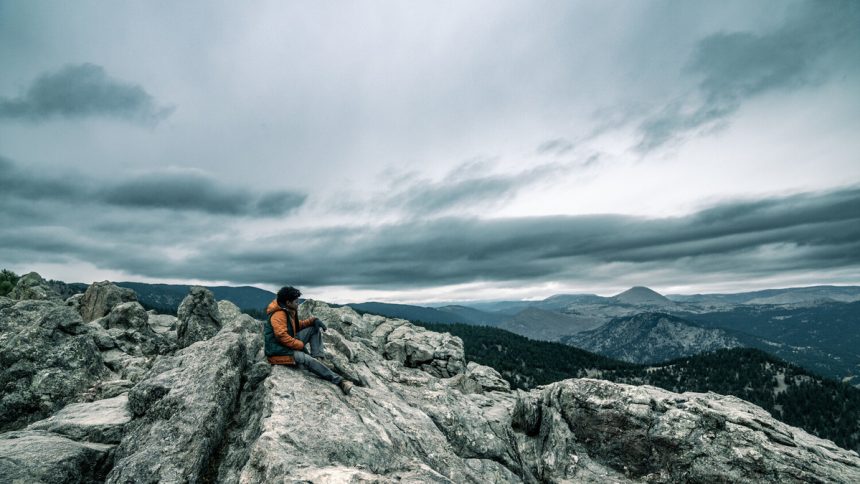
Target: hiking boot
(345,386)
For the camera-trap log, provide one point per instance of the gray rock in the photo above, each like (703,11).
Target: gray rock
(480,378)
(199,318)
(310,431)
(34,456)
(182,410)
(32,286)
(129,315)
(216,411)
(106,389)
(101,421)
(439,354)
(100,336)
(658,436)
(162,323)
(128,326)
(101,297)
(44,361)
(74,301)
(126,366)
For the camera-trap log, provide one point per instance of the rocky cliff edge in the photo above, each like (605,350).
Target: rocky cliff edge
(120,400)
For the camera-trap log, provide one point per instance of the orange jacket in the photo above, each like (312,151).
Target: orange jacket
(279,326)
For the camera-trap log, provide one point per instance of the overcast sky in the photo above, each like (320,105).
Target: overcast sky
(433,151)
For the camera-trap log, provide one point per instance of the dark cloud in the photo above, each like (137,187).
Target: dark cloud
(174,190)
(819,39)
(79,91)
(804,232)
(801,232)
(18,183)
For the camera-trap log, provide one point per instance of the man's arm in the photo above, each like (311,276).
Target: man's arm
(279,326)
(305,323)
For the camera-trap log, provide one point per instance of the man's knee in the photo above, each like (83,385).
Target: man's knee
(300,357)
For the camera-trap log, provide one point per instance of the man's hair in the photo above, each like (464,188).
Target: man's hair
(287,294)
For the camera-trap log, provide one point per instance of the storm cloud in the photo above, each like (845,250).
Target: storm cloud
(81,91)
(176,190)
(800,232)
(732,67)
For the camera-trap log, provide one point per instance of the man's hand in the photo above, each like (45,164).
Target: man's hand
(319,324)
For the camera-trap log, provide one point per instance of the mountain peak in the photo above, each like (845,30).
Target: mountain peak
(641,295)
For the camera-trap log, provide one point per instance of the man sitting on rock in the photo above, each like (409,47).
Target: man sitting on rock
(286,338)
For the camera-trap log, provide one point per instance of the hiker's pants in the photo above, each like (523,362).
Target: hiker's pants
(313,336)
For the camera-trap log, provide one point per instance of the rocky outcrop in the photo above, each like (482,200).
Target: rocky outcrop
(646,433)
(198,317)
(182,408)
(32,287)
(102,421)
(46,360)
(35,456)
(101,297)
(216,411)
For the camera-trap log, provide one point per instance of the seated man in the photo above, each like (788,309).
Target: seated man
(286,336)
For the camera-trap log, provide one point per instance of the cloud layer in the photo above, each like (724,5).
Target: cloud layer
(732,67)
(174,190)
(733,240)
(80,91)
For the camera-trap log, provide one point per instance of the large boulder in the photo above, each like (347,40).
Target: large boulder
(182,409)
(439,354)
(198,315)
(35,456)
(102,421)
(650,434)
(128,325)
(310,432)
(101,297)
(32,286)
(46,360)
(127,341)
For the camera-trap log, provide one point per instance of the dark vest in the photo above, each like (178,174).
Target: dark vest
(273,346)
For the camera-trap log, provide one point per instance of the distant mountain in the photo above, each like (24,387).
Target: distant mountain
(560,302)
(546,325)
(412,313)
(791,295)
(826,407)
(165,298)
(469,315)
(651,338)
(642,296)
(823,338)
